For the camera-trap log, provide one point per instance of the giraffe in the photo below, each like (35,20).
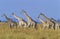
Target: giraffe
(51,23)
(45,25)
(10,21)
(22,22)
(30,21)
(57,24)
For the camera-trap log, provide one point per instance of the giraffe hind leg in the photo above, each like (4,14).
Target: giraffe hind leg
(28,25)
(11,25)
(25,25)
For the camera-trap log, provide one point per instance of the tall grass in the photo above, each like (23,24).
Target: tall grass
(27,33)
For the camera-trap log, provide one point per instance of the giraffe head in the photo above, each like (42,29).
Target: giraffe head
(12,13)
(23,11)
(53,19)
(3,15)
(41,14)
(38,17)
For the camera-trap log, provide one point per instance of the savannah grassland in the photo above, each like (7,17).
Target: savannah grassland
(27,33)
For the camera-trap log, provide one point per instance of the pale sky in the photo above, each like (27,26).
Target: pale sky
(51,8)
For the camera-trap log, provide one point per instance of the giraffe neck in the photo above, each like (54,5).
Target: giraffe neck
(47,19)
(8,19)
(18,18)
(54,20)
(28,17)
(41,20)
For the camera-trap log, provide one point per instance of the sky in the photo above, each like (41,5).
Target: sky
(51,8)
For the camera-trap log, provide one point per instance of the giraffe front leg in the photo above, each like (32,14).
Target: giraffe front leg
(57,26)
(28,25)
(20,24)
(52,26)
(11,25)
(33,25)
(44,26)
(47,26)
(25,25)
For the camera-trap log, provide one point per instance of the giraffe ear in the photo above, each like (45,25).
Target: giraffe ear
(37,17)
(23,11)
(12,13)
(41,13)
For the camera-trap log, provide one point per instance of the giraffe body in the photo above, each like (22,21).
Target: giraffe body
(44,24)
(51,23)
(30,21)
(10,21)
(21,21)
(57,25)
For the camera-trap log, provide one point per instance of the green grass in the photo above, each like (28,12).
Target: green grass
(27,33)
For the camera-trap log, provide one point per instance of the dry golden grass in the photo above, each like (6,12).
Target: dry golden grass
(27,33)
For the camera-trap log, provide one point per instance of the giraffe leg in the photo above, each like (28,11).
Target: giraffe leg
(52,26)
(33,25)
(25,25)
(20,24)
(47,26)
(44,27)
(28,25)
(16,26)
(57,26)
(11,25)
